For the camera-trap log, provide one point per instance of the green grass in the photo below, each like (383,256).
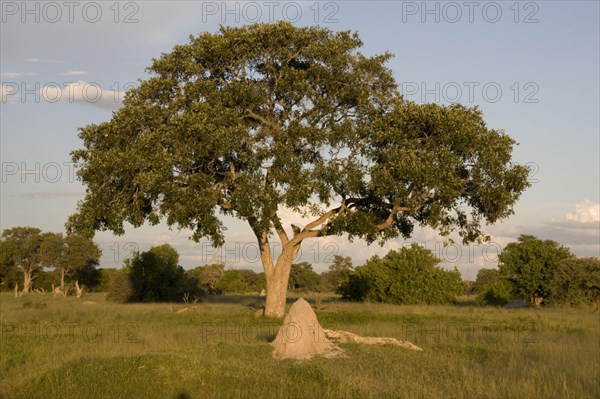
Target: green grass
(55,347)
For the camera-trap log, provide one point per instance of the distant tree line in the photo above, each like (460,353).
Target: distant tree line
(537,271)
(156,276)
(31,259)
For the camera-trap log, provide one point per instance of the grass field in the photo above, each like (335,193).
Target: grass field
(55,347)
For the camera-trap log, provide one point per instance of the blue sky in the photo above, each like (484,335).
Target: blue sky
(532,67)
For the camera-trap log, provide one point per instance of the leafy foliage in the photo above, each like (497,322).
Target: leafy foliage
(492,288)
(337,275)
(208,277)
(22,247)
(252,119)
(530,264)
(156,275)
(485,278)
(120,287)
(76,257)
(197,136)
(498,293)
(10,275)
(303,277)
(152,276)
(576,282)
(407,276)
(232,281)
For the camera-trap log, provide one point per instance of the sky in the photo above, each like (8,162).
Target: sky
(532,67)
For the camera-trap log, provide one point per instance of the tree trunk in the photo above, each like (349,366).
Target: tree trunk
(62,279)
(276,295)
(277,282)
(27,280)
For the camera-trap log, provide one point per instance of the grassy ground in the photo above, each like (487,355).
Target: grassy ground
(55,347)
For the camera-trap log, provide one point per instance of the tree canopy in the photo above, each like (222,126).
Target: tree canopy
(156,275)
(530,264)
(69,254)
(576,281)
(22,247)
(250,120)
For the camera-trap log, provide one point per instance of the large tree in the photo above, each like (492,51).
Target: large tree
(251,120)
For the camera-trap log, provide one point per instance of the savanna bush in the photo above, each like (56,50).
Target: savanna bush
(407,276)
(576,281)
(120,286)
(498,293)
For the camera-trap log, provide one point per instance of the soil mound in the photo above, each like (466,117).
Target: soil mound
(301,336)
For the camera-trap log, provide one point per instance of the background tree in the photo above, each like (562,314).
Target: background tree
(22,247)
(252,119)
(10,275)
(530,264)
(408,276)
(156,275)
(253,280)
(337,275)
(72,256)
(232,281)
(303,277)
(208,277)
(492,288)
(120,286)
(576,281)
(484,279)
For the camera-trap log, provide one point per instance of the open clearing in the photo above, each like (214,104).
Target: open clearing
(55,347)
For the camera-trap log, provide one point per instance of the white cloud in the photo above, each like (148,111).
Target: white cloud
(38,60)
(82,92)
(585,212)
(12,75)
(73,73)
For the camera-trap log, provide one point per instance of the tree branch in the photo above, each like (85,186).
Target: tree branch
(280,230)
(263,244)
(326,216)
(388,222)
(259,118)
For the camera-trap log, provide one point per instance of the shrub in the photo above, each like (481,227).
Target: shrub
(485,278)
(232,281)
(529,264)
(408,276)
(303,277)
(45,279)
(498,293)
(104,277)
(156,276)
(120,287)
(576,282)
(337,275)
(208,277)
